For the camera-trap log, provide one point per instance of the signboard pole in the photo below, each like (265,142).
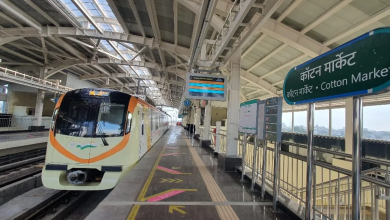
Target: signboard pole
(264,171)
(243,159)
(309,174)
(276,175)
(356,156)
(254,165)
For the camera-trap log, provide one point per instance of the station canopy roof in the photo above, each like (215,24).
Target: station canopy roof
(118,44)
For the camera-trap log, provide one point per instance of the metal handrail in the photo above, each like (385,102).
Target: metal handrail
(27,78)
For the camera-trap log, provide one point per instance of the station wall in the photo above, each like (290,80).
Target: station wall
(218,114)
(71,80)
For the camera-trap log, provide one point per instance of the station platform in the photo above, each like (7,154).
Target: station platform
(9,142)
(177,179)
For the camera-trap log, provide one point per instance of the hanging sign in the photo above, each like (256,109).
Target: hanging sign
(359,67)
(248,117)
(205,87)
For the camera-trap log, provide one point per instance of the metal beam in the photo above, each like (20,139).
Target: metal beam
(41,12)
(253,45)
(289,9)
(266,57)
(284,65)
(216,22)
(89,33)
(6,17)
(139,52)
(41,50)
(256,81)
(137,18)
(84,11)
(118,15)
(20,55)
(150,7)
(362,24)
(293,38)
(234,25)
(20,14)
(134,76)
(57,69)
(69,48)
(6,40)
(175,15)
(331,11)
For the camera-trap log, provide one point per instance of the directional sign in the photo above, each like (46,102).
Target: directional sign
(273,119)
(187,102)
(177,208)
(359,67)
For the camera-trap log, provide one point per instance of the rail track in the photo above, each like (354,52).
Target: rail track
(13,172)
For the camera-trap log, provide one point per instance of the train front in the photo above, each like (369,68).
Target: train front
(88,147)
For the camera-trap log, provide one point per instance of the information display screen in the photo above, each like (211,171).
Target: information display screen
(205,87)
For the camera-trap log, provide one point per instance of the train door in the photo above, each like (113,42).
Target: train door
(148,128)
(142,132)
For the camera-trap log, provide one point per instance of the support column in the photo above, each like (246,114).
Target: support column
(229,161)
(39,104)
(233,105)
(348,125)
(205,142)
(197,122)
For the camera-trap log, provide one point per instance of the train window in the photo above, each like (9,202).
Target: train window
(110,120)
(128,127)
(53,120)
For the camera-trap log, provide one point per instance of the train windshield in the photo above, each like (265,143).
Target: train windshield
(91,117)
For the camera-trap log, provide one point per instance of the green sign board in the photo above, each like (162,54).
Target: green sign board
(359,67)
(271,119)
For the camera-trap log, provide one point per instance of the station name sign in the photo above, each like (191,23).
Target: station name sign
(359,67)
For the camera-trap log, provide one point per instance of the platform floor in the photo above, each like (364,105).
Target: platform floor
(177,179)
(11,140)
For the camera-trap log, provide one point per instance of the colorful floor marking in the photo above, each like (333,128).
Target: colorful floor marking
(177,208)
(169,170)
(167,194)
(171,154)
(172,148)
(170,180)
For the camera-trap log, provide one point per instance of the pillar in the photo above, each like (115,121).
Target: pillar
(206,142)
(39,102)
(348,125)
(39,107)
(207,121)
(233,105)
(229,161)
(198,113)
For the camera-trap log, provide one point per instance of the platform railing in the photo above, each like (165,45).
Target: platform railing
(332,182)
(332,187)
(14,76)
(21,124)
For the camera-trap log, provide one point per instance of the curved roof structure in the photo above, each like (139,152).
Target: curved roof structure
(121,44)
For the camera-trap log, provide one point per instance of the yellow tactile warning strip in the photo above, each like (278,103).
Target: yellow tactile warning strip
(225,212)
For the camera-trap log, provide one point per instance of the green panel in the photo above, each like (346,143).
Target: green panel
(271,136)
(358,67)
(271,127)
(271,119)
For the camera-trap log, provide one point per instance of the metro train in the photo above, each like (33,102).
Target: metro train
(97,136)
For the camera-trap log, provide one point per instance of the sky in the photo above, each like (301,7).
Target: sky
(374,118)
